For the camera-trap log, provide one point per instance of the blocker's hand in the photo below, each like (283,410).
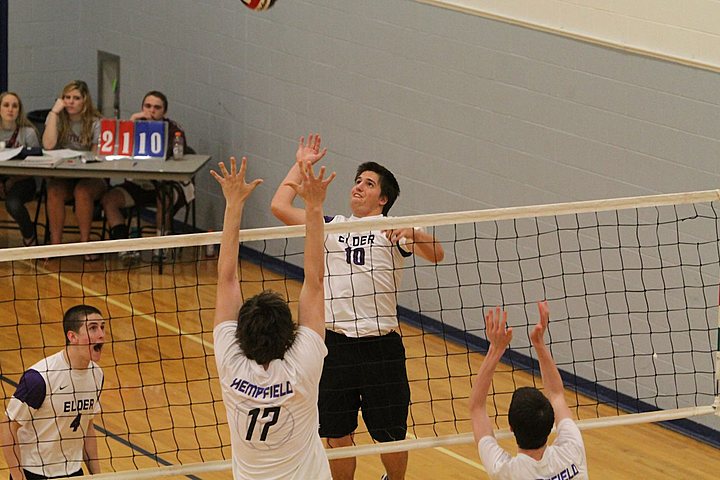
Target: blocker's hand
(233,184)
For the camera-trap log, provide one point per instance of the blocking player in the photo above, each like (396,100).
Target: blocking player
(270,369)
(365,367)
(531,413)
(48,431)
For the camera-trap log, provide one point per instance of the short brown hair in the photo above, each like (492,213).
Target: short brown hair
(75,317)
(389,187)
(265,329)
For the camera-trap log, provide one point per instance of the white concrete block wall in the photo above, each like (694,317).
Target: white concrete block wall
(44,41)
(688,31)
(430,87)
(469,113)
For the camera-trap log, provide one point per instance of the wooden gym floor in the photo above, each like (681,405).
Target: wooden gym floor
(160,359)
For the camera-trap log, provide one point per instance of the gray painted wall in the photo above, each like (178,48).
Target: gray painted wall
(469,113)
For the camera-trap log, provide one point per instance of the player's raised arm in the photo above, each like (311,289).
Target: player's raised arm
(50,134)
(282,203)
(236,191)
(499,337)
(554,389)
(312,189)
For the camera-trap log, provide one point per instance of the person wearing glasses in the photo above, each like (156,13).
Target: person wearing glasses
(73,123)
(144,192)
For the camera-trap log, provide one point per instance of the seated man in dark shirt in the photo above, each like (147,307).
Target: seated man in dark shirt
(145,192)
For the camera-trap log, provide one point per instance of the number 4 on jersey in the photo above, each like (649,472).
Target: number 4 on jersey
(76,422)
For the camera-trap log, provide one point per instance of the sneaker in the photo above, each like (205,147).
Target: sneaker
(129,258)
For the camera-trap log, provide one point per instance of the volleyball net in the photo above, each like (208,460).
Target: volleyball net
(632,286)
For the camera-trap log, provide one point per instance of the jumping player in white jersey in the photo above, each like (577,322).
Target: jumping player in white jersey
(49,431)
(270,369)
(365,366)
(531,414)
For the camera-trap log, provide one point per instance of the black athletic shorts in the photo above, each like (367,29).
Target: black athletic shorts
(366,374)
(141,197)
(35,476)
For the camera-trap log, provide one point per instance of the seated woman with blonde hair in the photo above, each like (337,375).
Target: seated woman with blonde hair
(74,123)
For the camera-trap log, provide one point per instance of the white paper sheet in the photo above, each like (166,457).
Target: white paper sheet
(64,153)
(9,153)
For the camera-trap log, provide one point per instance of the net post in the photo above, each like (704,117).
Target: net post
(716,403)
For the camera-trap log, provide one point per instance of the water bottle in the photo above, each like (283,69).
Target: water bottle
(178,146)
(97,155)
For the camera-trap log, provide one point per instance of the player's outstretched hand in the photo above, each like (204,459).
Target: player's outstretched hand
(498,334)
(233,184)
(310,151)
(312,189)
(538,333)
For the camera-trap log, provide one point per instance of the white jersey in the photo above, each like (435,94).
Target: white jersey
(272,414)
(363,273)
(54,404)
(563,460)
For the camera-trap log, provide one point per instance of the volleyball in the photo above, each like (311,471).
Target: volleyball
(258,5)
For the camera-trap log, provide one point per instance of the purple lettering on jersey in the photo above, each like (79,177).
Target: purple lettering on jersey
(566,474)
(31,389)
(255,391)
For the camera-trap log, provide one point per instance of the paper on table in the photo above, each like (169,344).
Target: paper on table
(64,153)
(46,161)
(9,153)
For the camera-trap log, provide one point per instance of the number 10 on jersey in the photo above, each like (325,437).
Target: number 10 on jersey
(133,139)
